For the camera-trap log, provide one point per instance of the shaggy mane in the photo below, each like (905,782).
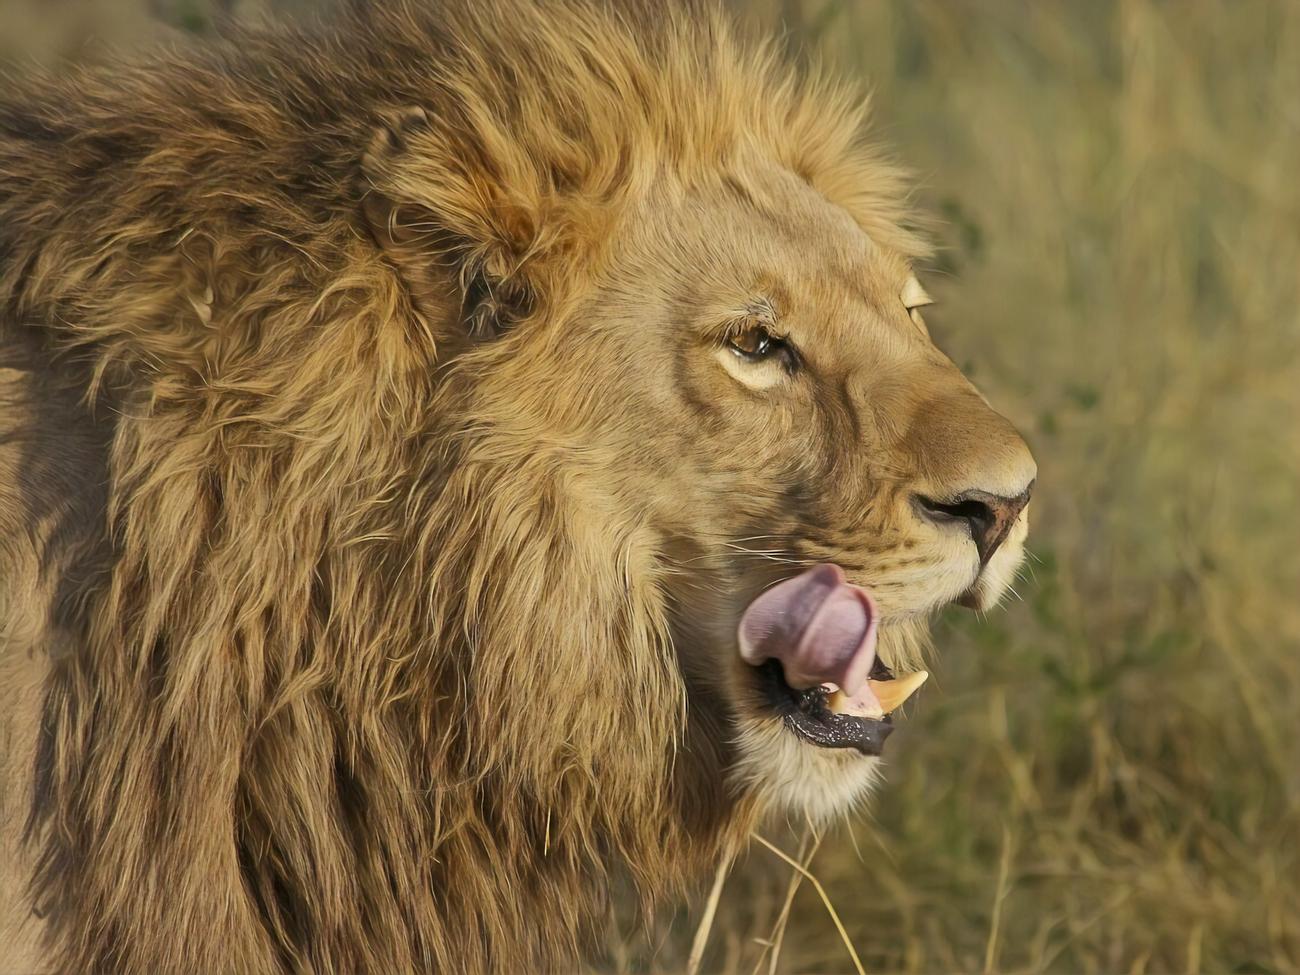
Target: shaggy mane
(362,681)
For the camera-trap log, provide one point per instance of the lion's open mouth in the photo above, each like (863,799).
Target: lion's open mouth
(812,640)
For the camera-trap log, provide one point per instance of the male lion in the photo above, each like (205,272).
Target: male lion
(434,454)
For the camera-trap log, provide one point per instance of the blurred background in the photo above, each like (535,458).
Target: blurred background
(1104,775)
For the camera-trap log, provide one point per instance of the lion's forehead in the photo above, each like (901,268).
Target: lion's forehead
(781,244)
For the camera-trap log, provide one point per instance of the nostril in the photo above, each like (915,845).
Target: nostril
(989,517)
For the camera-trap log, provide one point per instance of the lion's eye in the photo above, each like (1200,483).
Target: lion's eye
(914,299)
(755,343)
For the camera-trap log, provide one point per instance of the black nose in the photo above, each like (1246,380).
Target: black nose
(989,516)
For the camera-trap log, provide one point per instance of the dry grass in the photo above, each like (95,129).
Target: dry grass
(1105,776)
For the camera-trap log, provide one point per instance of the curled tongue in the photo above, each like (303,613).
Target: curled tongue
(820,628)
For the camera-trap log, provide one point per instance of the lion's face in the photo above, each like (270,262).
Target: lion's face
(756,378)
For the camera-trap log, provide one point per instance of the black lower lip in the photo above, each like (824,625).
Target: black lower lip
(805,713)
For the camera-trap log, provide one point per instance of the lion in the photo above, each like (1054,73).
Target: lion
(454,460)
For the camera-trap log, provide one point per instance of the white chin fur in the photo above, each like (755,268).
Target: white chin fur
(799,779)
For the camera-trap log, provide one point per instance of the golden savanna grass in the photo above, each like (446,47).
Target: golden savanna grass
(1105,775)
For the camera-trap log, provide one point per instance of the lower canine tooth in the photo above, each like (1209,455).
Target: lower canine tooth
(892,693)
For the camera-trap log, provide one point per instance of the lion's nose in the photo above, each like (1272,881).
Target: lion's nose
(988,516)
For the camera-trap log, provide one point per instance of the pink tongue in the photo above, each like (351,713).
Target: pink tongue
(821,629)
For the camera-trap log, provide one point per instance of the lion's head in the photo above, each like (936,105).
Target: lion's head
(702,302)
(524,435)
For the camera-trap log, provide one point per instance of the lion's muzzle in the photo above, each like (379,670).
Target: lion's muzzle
(813,638)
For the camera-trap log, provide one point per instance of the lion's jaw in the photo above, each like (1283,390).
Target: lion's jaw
(794,777)
(788,774)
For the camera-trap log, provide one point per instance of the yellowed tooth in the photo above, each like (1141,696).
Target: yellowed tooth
(892,693)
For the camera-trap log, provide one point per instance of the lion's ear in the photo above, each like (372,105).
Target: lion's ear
(462,238)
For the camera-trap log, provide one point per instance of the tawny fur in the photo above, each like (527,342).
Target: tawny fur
(363,630)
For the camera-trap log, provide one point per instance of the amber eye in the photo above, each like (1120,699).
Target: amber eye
(755,343)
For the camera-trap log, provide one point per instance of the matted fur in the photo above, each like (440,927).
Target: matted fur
(370,654)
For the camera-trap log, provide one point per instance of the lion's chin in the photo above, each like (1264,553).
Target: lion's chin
(794,775)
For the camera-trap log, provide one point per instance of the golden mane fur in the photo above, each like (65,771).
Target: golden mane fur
(360,671)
